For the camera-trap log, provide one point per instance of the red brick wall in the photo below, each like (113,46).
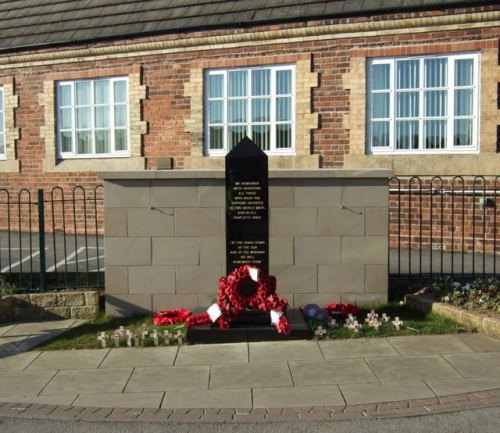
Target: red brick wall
(445,213)
(166,107)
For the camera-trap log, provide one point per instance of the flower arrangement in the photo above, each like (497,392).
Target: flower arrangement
(481,295)
(232,300)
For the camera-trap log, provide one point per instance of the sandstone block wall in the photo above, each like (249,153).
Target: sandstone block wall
(165,237)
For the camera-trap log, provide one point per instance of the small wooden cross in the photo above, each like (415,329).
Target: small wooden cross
(129,338)
(397,323)
(116,338)
(320,332)
(332,323)
(179,335)
(102,338)
(167,335)
(385,318)
(156,337)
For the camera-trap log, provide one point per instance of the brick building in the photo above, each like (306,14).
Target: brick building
(133,85)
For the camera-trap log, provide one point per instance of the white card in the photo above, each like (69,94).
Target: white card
(275,316)
(254,274)
(214,312)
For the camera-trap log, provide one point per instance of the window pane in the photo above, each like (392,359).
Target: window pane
(380,134)
(283,82)
(261,82)
(236,134)
(215,86)
(261,135)
(120,115)
(435,134)
(2,144)
(84,118)
(64,95)
(83,93)
(121,139)
(102,142)
(84,140)
(380,77)
(102,119)
(463,132)
(408,104)
(380,105)
(237,83)
(65,118)
(237,111)
(120,89)
(215,111)
(260,110)
(407,135)
(436,72)
(283,136)
(464,72)
(216,137)
(66,142)
(101,92)
(436,103)
(463,102)
(408,74)
(283,109)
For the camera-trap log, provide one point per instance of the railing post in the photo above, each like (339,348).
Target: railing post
(41,240)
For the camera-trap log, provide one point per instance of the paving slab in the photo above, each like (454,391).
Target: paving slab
(331,372)
(358,348)
(428,345)
(6,328)
(41,399)
(68,359)
(140,357)
(412,367)
(146,379)
(285,351)
(88,381)
(128,399)
(24,382)
(476,364)
(299,396)
(364,393)
(450,387)
(480,342)
(231,353)
(208,399)
(18,361)
(255,375)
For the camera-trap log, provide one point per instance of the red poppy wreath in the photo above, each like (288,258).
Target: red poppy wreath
(233,299)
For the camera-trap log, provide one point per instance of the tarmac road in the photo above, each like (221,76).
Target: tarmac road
(483,420)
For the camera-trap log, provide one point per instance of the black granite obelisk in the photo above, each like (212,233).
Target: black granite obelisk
(247,207)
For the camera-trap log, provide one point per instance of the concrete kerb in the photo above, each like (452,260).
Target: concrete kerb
(406,408)
(484,324)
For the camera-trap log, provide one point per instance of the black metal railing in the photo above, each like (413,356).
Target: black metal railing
(444,226)
(52,241)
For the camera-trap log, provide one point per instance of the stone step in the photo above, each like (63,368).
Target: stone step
(251,326)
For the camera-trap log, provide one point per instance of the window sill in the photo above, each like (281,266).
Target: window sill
(9,166)
(93,164)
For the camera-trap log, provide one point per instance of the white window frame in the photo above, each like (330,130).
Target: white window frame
(450,147)
(3,148)
(273,150)
(93,128)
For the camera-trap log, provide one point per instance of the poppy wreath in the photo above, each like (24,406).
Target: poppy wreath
(231,301)
(343,309)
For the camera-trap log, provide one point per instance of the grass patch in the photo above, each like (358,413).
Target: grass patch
(85,336)
(415,323)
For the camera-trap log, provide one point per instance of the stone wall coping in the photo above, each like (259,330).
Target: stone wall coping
(273,174)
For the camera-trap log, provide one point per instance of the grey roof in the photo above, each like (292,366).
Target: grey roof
(28,24)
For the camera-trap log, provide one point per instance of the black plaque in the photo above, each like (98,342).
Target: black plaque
(247,211)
